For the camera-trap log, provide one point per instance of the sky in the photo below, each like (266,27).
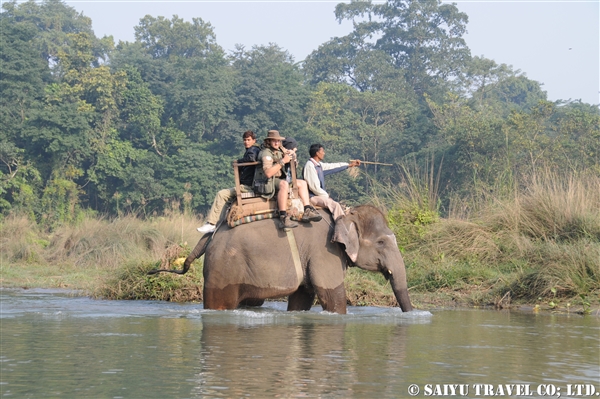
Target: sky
(555,42)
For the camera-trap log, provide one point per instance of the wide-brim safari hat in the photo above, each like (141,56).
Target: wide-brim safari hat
(274,135)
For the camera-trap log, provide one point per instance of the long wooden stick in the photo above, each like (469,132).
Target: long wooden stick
(377,163)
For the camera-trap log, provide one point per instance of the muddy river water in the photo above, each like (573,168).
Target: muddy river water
(56,345)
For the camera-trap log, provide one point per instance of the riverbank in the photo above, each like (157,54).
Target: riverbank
(127,280)
(538,248)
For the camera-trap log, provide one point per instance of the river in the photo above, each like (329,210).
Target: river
(57,345)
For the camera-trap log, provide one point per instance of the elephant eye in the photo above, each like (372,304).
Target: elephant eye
(380,243)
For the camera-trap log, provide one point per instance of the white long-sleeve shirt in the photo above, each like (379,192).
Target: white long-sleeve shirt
(315,186)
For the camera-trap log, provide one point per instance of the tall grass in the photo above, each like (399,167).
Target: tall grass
(20,240)
(540,238)
(412,204)
(85,254)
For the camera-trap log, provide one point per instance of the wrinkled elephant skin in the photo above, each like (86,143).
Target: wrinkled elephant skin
(253,262)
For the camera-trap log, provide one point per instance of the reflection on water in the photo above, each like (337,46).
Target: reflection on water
(54,345)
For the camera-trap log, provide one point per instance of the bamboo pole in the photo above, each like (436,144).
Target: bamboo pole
(375,163)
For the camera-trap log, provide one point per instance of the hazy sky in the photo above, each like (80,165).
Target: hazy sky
(556,43)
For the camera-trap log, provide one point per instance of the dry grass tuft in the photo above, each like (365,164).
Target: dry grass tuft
(549,207)
(106,244)
(20,240)
(133,282)
(367,289)
(110,244)
(460,238)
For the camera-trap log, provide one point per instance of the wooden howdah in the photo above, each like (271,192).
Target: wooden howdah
(250,204)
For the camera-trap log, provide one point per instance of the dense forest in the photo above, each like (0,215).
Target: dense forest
(146,127)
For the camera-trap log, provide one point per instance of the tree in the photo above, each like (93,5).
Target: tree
(516,93)
(473,144)
(164,38)
(578,128)
(412,49)
(481,77)
(270,91)
(140,114)
(20,182)
(54,20)
(367,125)
(185,67)
(23,74)
(423,39)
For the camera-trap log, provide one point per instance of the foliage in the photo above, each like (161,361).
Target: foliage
(147,126)
(354,124)
(413,205)
(422,38)
(486,151)
(269,94)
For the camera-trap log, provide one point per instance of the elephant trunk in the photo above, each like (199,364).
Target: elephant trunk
(397,276)
(401,293)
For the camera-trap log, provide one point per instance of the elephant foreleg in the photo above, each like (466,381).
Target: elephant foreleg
(302,299)
(333,300)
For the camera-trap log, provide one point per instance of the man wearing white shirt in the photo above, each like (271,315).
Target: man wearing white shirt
(314,175)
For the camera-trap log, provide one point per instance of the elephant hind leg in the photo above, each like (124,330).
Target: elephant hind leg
(302,299)
(221,299)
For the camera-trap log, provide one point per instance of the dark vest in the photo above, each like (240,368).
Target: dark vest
(247,172)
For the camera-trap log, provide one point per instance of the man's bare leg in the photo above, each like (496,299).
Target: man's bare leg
(285,222)
(282,195)
(303,192)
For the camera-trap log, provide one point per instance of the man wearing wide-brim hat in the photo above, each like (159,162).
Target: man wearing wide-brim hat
(270,179)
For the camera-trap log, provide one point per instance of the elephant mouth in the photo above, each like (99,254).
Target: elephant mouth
(387,273)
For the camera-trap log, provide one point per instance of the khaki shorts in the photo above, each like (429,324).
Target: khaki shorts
(276,181)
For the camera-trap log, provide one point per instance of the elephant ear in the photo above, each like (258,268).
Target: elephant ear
(346,233)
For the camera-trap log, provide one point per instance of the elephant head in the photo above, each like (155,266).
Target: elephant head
(371,245)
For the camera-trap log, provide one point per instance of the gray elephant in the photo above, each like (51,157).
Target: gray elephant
(247,264)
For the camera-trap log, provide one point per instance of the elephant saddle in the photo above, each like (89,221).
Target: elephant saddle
(250,206)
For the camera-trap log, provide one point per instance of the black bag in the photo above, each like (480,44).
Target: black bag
(265,187)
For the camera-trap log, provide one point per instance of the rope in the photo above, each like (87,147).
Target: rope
(295,255)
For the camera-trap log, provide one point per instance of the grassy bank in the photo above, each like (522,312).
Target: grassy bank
(537,246)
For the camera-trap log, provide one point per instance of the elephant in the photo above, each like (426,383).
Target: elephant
(252,262)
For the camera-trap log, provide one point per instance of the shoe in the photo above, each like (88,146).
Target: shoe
(311,215)
(285,223)
(207,228)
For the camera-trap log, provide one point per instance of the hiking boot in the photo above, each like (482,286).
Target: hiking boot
(285,223)
(311,215)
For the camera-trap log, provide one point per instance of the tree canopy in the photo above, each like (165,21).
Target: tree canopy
(154,124)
